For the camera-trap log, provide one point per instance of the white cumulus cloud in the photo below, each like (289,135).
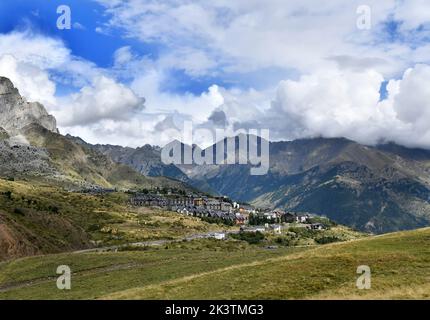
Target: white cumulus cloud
(33,83)
(104,99)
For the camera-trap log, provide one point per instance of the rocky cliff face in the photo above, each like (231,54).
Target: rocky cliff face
(16,113)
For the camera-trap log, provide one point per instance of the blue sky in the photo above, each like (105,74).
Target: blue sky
(130,67)
(84,41)
(40,16)
(99,48)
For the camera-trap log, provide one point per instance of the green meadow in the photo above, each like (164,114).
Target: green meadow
(231,269)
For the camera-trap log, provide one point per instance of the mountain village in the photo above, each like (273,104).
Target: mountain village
(223,210)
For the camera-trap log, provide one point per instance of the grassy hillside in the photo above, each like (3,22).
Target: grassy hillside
(98,274)
(83,165)
(38,219)
(399,263)
(210,269)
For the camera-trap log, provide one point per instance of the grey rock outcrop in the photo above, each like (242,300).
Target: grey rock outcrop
(20,160)
(3,134)
(16,113)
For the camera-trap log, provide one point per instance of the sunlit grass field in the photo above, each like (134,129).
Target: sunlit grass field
(400,266)
(212,269)
(95,275)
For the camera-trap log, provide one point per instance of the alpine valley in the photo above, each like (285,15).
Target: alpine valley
(375,189)
(132,227)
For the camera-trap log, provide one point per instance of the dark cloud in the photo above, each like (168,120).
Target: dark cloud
(219,118)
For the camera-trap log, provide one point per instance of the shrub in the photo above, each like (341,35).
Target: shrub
(250,237)
(327,239)
(218,221)
(93,228)
(304,232)
(284,241)
(19,211)
(54,209)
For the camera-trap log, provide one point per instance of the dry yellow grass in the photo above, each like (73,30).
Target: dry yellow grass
(400,264)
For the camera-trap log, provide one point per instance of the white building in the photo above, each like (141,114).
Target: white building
(219,236)
(276,229)
(302,218)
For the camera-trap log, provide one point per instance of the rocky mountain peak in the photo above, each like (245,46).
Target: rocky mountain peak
(7,87)
(16,113)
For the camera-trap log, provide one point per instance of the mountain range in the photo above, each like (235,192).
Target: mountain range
(377,189)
